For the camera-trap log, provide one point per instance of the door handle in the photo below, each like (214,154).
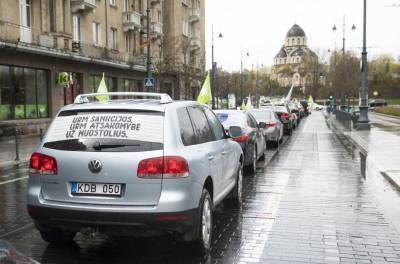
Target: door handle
(223,153)
(210,157)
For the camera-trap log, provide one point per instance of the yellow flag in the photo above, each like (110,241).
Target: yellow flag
(249,104)
(102,89)
(311,102)
(205,95)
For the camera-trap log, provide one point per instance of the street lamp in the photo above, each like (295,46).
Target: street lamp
(363,120)
(344,90)
(213,65)
(241,74)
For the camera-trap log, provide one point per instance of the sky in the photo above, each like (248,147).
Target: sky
(259,27)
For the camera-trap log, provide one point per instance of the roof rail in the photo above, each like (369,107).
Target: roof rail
(164,98)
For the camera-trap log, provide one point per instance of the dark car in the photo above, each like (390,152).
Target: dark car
(272,126)
(252,141)
(377,103)
(288,119)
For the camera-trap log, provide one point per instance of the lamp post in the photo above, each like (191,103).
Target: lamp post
(213,66)
(241,74)
(363,120)
(149,62)
(344,71)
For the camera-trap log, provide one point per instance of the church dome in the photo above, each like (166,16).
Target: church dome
(282,53)
(295,31)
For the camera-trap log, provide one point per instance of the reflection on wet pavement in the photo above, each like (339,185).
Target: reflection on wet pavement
(316,201)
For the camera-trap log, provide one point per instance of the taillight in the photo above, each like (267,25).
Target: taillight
(271,124)
(42,164)
(285,115)
(242,138)
(169,167)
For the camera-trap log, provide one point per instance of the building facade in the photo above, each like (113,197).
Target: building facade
(52,50)
(294,63)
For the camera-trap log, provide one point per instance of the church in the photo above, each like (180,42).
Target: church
(293,63)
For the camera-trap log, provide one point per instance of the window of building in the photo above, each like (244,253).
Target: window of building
(96,34)
(185,28)
(25,9)
(23,93)
(113,38)
(113,2)
(52,15)
(298,41)
(64,15)
(76,24)
(111,83)
(293,41)
(127,38)
(132,86)
(126,5)
(298,60)
(185,2)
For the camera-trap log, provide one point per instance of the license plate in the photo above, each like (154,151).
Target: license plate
(104,189)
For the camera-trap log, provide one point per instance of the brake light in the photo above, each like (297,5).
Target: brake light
(42,164)
(285,115)
(169,167)
(272,124)
(242,138)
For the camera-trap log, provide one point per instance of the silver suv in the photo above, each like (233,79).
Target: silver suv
(136,164)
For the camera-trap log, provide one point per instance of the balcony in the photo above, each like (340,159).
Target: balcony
(82,5)
(195,43)
(155,1)
(194,15)
(131,20)
(157,28)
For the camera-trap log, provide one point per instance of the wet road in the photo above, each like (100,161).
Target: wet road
(310,204)
(387,123)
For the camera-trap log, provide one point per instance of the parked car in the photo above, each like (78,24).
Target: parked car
(304,103)
(285,117)
(294,110)
(141,165)
(377,103)
(272,126)
(252,141)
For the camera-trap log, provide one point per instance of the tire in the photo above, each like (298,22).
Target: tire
(204,237)
(57,236)
(265,149)
(253,166)
(236,197)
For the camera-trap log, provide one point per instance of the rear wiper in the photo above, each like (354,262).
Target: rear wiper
(98,146)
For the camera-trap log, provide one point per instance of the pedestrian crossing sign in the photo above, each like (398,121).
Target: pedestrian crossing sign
(148,82)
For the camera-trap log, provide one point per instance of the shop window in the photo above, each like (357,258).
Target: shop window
(111,83)
(132,86)
(23,93)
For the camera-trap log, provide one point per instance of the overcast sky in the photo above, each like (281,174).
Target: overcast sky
(260,27)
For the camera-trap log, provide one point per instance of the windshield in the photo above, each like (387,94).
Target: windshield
(106,131)
(230,119)
(262,116)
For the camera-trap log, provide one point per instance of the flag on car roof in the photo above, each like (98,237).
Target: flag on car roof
(102,89)
(311,102)
(249,105)
(205,95)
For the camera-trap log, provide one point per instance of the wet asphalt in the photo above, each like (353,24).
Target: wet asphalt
(316,201)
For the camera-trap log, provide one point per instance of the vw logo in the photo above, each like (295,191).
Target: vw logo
(95,166)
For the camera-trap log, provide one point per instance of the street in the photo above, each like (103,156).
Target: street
(308,203)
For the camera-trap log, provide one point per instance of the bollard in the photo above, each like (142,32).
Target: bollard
(16,144)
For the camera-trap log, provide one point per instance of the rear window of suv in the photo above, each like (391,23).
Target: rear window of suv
(107,131)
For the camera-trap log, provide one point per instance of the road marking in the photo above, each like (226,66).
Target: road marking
(14,180)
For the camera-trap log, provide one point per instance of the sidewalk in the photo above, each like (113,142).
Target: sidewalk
(381,144)
(27,145)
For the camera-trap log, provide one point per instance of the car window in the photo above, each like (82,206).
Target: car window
(106,131)
(262,116)
(215,124)
(230,119)
(251,121)
(201,126)
(186,127)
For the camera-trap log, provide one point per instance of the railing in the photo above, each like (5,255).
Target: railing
(82,5)
(344,118)
(158,28)
(38,41)
(194,15)
(131,20)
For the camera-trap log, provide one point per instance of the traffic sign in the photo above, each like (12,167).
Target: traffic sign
(149,82)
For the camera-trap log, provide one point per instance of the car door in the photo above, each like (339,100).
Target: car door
(208,146)
(259,137)
(228,153)
(279,125)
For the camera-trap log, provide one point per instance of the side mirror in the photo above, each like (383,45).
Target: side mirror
(235,132)
(262,125)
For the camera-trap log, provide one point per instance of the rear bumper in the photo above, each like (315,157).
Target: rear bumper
(116,223)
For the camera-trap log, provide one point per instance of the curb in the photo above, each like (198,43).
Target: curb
(6,164)
(386,115)
(391,180)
